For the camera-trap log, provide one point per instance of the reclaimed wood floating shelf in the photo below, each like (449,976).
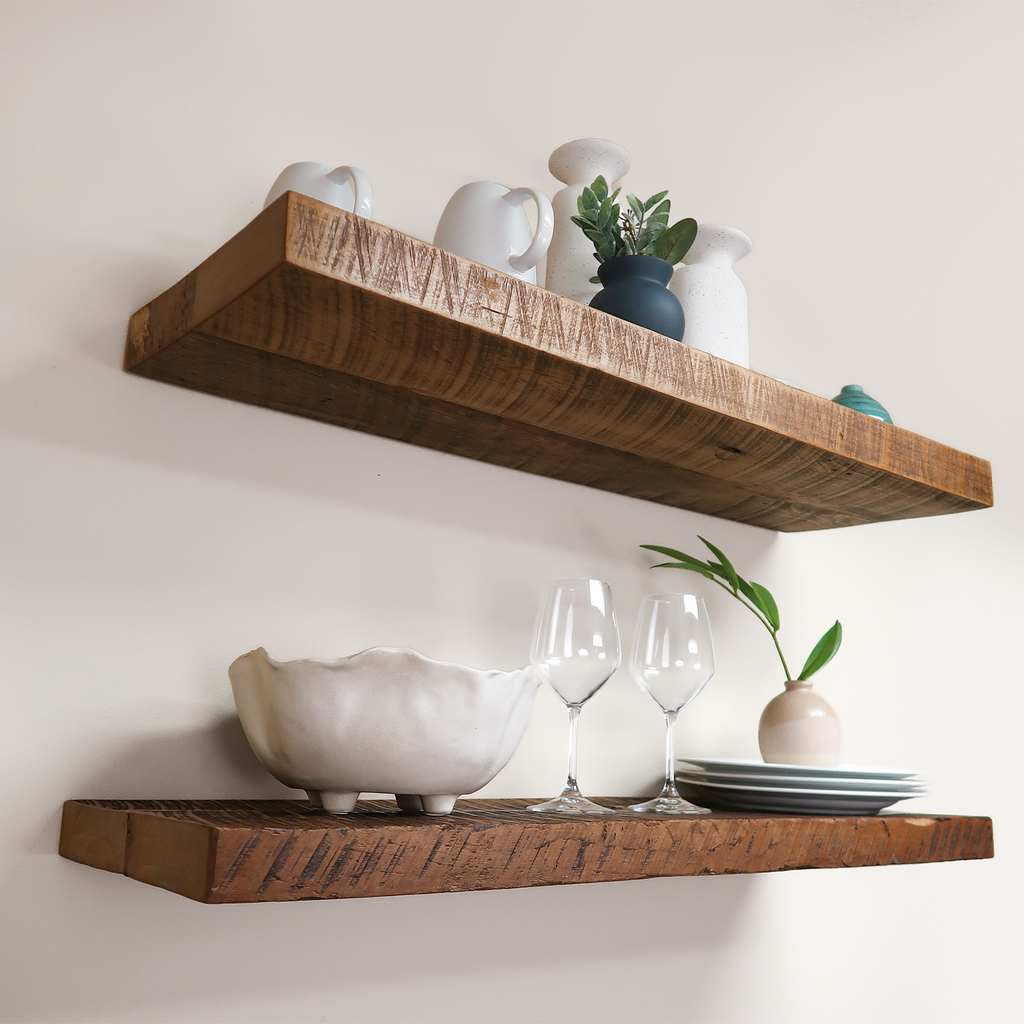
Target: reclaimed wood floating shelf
(317,312)
(256,851)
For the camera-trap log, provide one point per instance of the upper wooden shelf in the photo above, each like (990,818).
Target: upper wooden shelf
(257,851)
(314,311)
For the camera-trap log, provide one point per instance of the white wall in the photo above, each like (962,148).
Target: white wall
(874,154)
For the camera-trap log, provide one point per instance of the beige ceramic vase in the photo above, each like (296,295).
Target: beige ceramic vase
(799,727)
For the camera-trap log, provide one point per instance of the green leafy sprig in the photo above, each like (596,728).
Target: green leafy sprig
(755,597)
(641,229)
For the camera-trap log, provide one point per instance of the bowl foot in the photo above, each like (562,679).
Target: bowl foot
(313,796)
(409,802)
(436,805)
(338,803)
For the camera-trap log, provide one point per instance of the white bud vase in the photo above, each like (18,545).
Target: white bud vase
(799,727)
(713,298)
(571,262)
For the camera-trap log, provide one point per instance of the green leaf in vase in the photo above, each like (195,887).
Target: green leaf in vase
(675,243)
(679,556)
(636,206)
(655,199)
(824,651)
(683,565)
(767,604)
(730,573)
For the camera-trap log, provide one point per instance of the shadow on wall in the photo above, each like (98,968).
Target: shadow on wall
(209,763)
(100,931)
(79,397)
(214,762)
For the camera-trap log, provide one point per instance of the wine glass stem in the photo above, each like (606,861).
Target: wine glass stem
(574,718)
(670,754)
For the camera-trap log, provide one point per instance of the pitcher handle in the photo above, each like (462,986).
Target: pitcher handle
(545,226)
(363,205)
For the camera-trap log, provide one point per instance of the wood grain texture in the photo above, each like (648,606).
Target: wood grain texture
(251,851)
(320,313)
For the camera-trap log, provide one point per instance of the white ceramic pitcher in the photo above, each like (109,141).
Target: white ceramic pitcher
(318,181)
(484,221)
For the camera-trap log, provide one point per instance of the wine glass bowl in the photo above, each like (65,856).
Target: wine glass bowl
(673,659)
(576,650)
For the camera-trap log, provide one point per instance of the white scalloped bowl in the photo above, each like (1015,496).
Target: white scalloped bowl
(386,720)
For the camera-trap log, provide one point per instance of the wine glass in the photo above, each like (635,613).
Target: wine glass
(673,660)
(576,649)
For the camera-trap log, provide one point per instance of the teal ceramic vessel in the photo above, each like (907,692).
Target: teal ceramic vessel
(853,397)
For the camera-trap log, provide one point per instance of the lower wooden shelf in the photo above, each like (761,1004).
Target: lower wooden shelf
(254,851)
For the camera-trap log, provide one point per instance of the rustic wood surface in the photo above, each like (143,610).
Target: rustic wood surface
(317,312)
(251,851)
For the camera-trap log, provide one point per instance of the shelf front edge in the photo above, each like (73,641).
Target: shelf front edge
(244,851)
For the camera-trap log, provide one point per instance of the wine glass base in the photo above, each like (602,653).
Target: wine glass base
(571,804)
(668,805)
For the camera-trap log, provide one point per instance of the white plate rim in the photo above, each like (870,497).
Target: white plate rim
(811,805)
(791,791)
(816,781)
(851,771)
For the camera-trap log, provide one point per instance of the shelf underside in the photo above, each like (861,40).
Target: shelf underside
(252,851)
(313,311)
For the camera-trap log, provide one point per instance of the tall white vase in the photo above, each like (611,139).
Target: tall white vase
(713,297)
(571,262)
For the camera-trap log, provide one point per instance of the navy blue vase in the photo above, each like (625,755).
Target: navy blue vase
(636,289)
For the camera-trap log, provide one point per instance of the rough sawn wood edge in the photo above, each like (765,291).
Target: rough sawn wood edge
(222,851)
(322,240)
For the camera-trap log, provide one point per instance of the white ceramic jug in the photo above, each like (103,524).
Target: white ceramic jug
(485,222)
(713,298)
(571,262)
(318,181)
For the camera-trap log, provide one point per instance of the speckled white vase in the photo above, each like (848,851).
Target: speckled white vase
(799,727)
(571,262)
(387,720)
(713,298)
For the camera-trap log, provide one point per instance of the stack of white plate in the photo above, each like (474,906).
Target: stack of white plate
(794,788)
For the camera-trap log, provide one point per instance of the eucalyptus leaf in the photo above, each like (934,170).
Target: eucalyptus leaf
(636,206)
(824,651)
(675,243)
(643,240)
(633,228)
(595,280)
